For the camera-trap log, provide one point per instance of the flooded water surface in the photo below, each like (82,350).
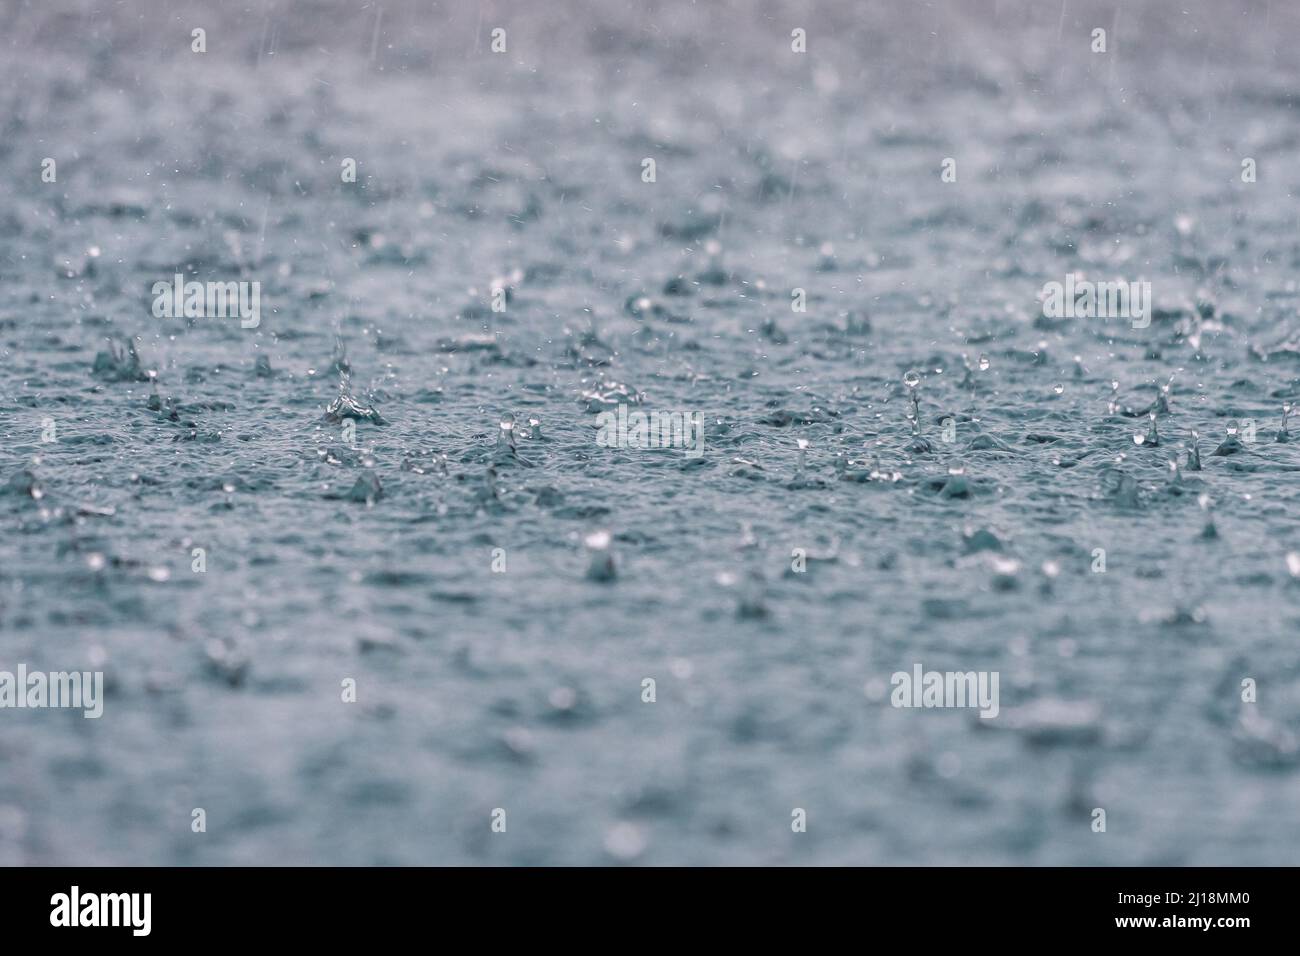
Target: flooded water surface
(577,444)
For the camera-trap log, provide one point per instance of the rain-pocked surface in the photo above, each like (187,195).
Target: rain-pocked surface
(512,679)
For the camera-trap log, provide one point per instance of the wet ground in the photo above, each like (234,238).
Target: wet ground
(375,559)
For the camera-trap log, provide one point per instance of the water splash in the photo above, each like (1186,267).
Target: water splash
(367,489)
(339,359)
(801,478)
(956,486)
(506,433)
(917,444)
(1164,394)
(506,452)
(25,484)
(1151,439)
(1209,530)
(607,395)
(347,406)
(1194,453)
(1175,476)
(600,556)
(1121,488)
(1232,444)
(120,363)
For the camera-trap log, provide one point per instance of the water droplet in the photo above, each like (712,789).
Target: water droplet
(625,841)
(911,378)
(563,698)
(1058,388)
(984,363)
